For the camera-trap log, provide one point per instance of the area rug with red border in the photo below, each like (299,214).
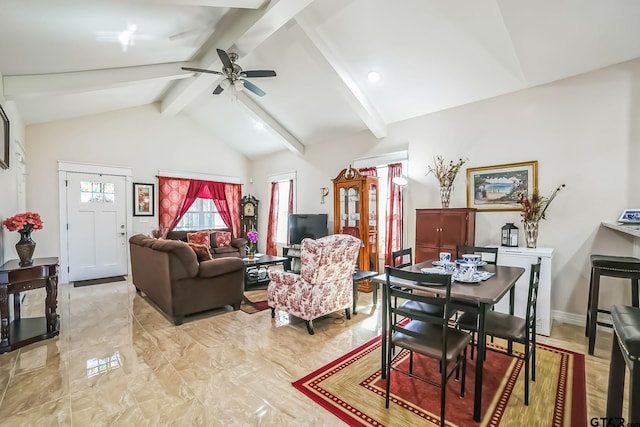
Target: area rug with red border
(254,301)
(352,389)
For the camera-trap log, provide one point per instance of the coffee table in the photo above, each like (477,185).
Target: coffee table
(255,270)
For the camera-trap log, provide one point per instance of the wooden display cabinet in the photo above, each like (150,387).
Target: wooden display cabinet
(355,212)
(442,230)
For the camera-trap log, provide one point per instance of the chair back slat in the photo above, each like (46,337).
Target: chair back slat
(411,283)
(402,258)
(532,300)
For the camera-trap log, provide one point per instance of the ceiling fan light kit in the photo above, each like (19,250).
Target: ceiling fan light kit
(234,74)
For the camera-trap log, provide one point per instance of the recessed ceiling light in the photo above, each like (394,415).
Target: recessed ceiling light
(374,76)
(260,125)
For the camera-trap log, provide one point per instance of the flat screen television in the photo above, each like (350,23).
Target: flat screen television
(302,226)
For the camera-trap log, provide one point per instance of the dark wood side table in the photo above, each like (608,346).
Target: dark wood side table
(16,333)
(358,276)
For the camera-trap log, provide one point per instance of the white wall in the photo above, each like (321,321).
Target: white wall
(138,138)
(8,179)
(583,131)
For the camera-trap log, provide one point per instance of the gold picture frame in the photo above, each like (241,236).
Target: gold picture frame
(496,188)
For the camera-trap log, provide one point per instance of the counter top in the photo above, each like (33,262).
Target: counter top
(631,229)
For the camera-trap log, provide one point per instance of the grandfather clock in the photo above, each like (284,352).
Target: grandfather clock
(249,214)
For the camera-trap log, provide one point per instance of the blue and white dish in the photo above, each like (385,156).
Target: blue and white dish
(479,264)
(474,279)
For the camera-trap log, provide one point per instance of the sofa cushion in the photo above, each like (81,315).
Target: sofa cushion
(202,252)
(199,237)
(222,239)
(225,250)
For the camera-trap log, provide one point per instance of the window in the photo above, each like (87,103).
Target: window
(92,192)
(282,230)
(201,215)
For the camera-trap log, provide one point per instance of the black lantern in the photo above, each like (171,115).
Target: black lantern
(509,235)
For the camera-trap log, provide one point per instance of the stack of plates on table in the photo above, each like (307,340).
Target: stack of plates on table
(479,276)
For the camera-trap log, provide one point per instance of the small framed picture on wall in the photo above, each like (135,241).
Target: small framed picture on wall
(143,199)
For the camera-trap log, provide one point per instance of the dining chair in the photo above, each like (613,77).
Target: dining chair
(489,255)
(402,258)
(424,333)
(492,252)
(514,328)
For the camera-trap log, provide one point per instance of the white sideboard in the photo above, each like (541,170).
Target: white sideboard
(524,257)
(630,229)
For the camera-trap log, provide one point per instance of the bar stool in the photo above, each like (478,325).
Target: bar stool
(611,266)
(625,349)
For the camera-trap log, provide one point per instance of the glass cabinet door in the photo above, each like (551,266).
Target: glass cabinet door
(373,207)
(349,207)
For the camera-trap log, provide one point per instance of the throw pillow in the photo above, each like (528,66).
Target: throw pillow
(202,252)
(199,237)
(223,238)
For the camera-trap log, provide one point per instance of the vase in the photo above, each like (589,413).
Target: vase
(445,196)
(25,248)
(251,254)
(531,233)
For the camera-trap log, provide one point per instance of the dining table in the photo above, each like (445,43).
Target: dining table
(476,297)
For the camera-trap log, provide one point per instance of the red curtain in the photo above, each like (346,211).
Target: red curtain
(395,216)
(233,193)
(172,193)
(272,226)
(176,195)
(372,171)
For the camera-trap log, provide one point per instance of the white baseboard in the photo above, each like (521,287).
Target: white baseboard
(576,319)
(570,318)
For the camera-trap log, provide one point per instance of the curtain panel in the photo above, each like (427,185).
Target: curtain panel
(176,195)
(395,213)
(272,225)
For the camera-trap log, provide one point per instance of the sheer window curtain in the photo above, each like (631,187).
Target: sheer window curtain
(395,213)
(272,225)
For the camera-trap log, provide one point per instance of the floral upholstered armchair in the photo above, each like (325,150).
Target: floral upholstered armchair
(324,284)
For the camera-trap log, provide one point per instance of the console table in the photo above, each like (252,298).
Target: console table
(14,279)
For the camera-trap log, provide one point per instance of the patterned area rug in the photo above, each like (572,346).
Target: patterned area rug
(254,301)
(352,389)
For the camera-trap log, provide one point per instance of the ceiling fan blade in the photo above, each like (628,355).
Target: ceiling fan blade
(224,58)
(201,70)
(259,73)
(253,88)
(218,90)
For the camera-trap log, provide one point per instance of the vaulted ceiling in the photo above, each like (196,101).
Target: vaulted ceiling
(67,58)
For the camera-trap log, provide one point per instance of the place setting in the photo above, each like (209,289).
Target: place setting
(463,270)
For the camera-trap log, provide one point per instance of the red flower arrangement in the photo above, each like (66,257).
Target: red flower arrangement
(26,221)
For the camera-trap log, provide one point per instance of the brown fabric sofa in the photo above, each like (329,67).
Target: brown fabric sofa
(169,274)
(238,246)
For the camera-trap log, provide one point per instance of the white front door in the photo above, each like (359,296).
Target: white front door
(96,223)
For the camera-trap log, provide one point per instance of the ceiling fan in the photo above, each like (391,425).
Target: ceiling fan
(234,75)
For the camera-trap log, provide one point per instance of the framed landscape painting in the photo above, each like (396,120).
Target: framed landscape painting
(496,188)
(142,199)
(4,140)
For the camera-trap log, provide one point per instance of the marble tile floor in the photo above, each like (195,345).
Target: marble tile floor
(118,361)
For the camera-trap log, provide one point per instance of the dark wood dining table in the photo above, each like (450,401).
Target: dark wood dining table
(478,297)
